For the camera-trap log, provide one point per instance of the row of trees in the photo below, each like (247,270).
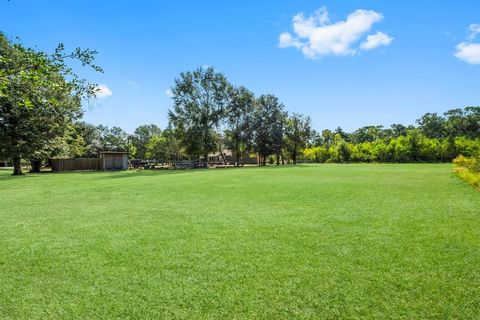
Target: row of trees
(411,147)
(210,114)
(244,126)
(435,138)
(40,112)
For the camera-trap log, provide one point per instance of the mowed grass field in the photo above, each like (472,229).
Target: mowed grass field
(389,241)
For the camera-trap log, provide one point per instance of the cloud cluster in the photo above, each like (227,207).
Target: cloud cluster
(469,51)
(317,36)
(376,40)
(102,91)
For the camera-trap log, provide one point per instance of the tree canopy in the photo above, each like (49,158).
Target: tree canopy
(40,98)
(200,99)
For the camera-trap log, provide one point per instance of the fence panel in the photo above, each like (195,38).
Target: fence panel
(76,164)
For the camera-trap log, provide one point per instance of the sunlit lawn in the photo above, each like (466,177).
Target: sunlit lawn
(328,241)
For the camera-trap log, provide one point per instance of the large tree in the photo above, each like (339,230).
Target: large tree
(367,134)
(174,136)
(40,97)
(114,139)
(269,122)
(92,138)
(432,125)
(141,136)
(157,148)
(297,133)
(240,115)
(200,100)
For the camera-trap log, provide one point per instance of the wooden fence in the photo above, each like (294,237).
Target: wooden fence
(61,165)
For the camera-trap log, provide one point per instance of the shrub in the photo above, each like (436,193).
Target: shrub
(468,168)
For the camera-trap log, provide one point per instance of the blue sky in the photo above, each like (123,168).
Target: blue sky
(321,68)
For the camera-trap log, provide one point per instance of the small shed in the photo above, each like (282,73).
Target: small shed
(114,160)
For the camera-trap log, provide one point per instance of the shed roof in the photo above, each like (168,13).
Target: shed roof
(113,152)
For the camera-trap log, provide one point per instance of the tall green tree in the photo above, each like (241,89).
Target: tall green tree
(141,136)
(342,134)
(175,150)
(327,137)
(114,139)
(40,98)
(157,147)
(398,130)
(200,100)
(268,126)
(367,134)
(298,132)
(240,115)
(92,138)
(432,125)
(472,123)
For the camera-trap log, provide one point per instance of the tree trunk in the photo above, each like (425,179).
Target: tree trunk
(294,158)
(278,159)
(17,166)
(223,157)
(237,154)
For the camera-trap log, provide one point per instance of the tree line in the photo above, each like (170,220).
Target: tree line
(208,115)
(41,110)
(460,130)
(435,138)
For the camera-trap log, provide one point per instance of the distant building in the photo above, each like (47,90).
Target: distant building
(107,161)
(219,157)
(114,160)
(228,157)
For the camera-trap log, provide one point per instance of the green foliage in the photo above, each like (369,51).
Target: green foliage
(268,126)
(140,137)
(101,138)
(468,168)
(114,139)
(298,132)
(200,100)
(412,147)
(455,123)
(40,97)
(157,147)
(240,120)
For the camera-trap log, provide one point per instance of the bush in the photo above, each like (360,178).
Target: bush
(468,169)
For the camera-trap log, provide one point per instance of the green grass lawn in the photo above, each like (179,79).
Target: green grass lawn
(329,241)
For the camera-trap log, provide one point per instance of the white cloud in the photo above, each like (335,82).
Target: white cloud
(474,29)
(102,91)
(169,93)
(468,52)
(316,36)
(286,40)
(376,40)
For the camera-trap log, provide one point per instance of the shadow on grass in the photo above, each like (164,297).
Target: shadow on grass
(148,173)
(145,173)
(6,174)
